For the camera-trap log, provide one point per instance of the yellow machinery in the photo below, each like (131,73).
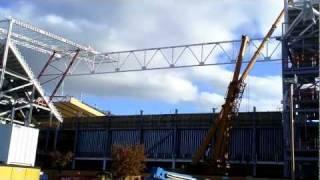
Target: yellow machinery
(19,173)
(220,130)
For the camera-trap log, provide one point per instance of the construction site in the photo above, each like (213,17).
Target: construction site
(47,134)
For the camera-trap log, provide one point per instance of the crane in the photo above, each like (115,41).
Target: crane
(222,125)
(70,50)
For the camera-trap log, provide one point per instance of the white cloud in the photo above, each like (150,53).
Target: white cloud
(164,86)
(208,100)
(125,25)
(55,20)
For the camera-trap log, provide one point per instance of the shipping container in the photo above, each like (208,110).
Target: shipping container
(18,144)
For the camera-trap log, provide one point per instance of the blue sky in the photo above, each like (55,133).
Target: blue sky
(122,25)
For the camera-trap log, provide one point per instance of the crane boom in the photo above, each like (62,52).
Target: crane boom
(223,123)
(258,51)
(225,107)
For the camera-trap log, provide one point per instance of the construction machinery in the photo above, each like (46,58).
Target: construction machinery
(161,174)
(218,135)
(219,132)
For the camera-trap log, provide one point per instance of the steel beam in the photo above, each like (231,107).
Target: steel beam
(5,54)
(47,64)
(16,75)
(64,75)
(52,36)
(17,88)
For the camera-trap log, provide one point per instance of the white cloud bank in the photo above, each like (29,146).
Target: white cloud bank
(121,25)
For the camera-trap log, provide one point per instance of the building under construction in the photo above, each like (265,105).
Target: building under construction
(265,144)
(170,140)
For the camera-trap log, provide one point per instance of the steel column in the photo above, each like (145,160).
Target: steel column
(292,133)
(56,134)
(13,112)
(104,165)
(28,118)
(5,53)
(75,144)
(254,145)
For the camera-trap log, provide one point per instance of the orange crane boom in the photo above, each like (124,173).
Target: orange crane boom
(223,123)
(227,106)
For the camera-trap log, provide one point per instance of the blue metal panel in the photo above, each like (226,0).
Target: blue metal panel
(270,144)
(125,137)
(241,144)
(158,143)
(92,143)
(190,140)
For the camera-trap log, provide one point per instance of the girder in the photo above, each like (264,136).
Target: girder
(189,55)
(91,61)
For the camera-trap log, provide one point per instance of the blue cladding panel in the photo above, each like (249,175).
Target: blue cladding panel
(158,143)
(125,137)
(92,143)
(241,144)
(189,141)
(270,144)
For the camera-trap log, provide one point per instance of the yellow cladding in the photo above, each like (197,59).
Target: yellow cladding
(5,172)
(19,173)
(32,174)
(85,107)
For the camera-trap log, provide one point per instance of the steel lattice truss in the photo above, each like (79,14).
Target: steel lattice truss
(91,61)
(37,39)
(202,54)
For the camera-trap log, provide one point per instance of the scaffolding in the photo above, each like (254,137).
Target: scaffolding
(300,68)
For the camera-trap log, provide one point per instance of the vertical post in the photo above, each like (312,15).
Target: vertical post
(292,133)
(319,97)
(73,164)
(48,130)
(56,134)
(106,151)
(5,53)
(28,118)
(286,4)
(12,112)
(254,137)
(285,113)
(104,165)
(319,115)
(109,138)
(174,145)
(50,120)
(141,127)
(75,144)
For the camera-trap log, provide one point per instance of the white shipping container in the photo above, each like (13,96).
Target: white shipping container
(18,144)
